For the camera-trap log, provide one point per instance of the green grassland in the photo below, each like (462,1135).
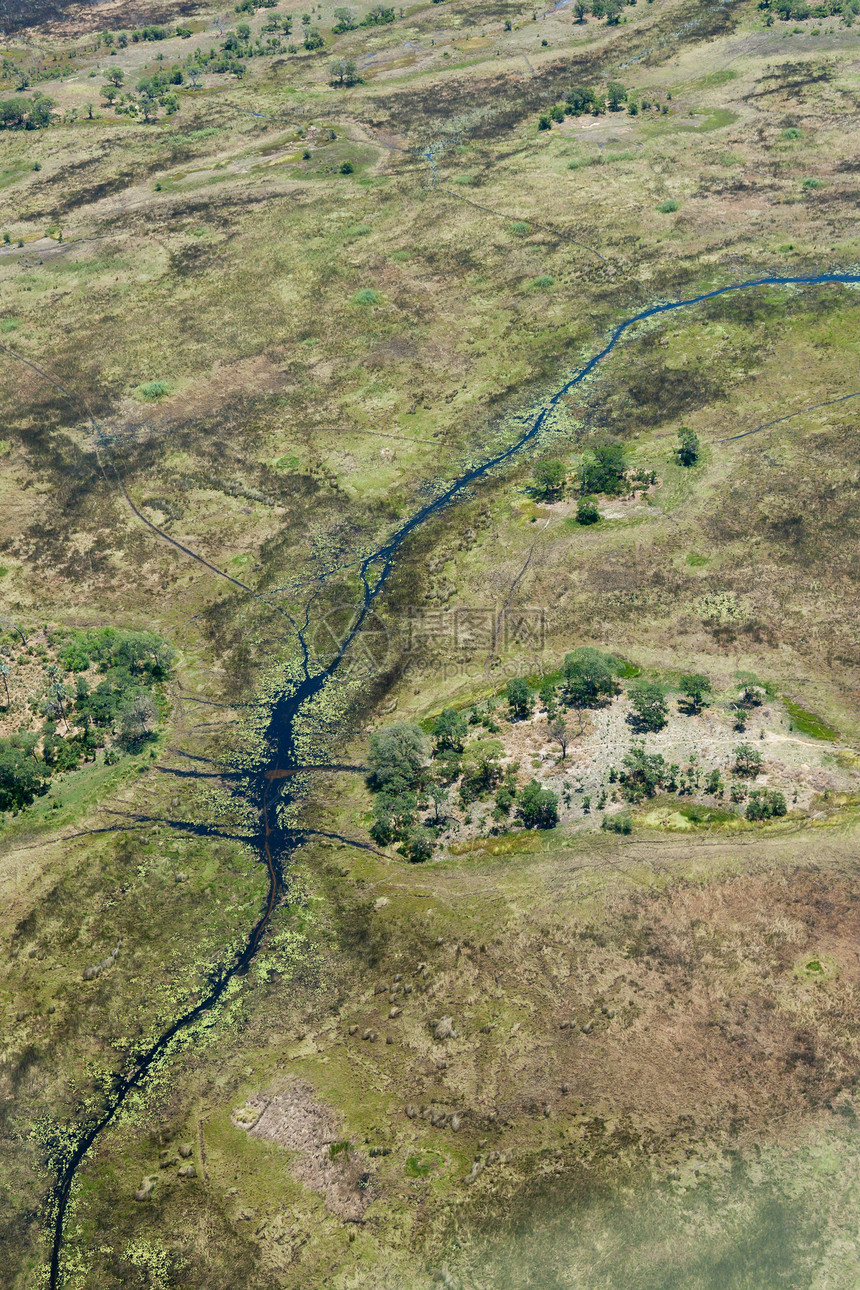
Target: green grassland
(280,361)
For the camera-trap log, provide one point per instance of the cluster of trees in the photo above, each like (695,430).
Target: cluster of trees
(154,92)
(20,113)
(78,717)
(582,100)
(799,10)
(412,780)
(765,804)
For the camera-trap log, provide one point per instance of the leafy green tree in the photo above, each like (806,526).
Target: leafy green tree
(344,71)
(546,694)
(22,776)
(747,760)
(505,798)
(588,678)
(714,784)
(549,478)
(649,706)
(20,113)
(395,812)
(586,511)
(115,76)
(616,95)
(344,21)
(313,39)
(696,687)
(687,451)
(482,768)
(519,698)
(398,757)
(604,471)
(580,9)
(643,773)
(4,672)
(449,730)
(538,807)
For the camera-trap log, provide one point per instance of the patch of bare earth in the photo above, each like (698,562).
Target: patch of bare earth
(297,1121)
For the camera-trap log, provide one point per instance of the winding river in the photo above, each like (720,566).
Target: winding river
(275,841)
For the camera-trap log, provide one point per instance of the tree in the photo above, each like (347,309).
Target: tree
(580,9)
(418,844)
(586,511)
(519,698)
(313,40)
(549,478)
(138,717)
(21,774)
(344,21)
(559,733)
(481,768)
(696,687)
(747,760)
(687,451)
(115,76)
(398,757)
(4,672)
(588,678)
(344,71)
(394,814)
(546,694)
(538,808)
(616,94)
(643,773)
(649,706)
(604,471)
(449,730)
(438,792)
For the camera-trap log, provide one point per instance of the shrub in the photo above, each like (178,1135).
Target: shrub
(545,280)
(366,296)
(617,823)
(544,121)
(152,390)
(586,511)
(519,228)
(346,168)
(669,206)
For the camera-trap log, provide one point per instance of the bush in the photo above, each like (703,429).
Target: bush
(544,121)
(366,296)
(586,511)
(346,168)
(617,823)
(669,207)
(538,808)
(152,390)
(765,803)
(604,471)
